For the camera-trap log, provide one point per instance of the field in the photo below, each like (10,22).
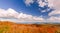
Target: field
(10,27)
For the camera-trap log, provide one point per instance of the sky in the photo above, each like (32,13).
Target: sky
(20,6)
(30,10)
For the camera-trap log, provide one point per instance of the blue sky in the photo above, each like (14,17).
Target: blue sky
(20,6)
(31,10)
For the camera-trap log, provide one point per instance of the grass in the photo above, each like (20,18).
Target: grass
(7,26)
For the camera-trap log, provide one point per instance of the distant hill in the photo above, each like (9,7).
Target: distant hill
(10,27)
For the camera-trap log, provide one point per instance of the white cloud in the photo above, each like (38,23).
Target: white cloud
(25,18)
(11,13)
(53,15)
(30,18)
(8,13)
(28,2)
(56,12)
(53,19)
(41,3)
(54,3)
(50,3)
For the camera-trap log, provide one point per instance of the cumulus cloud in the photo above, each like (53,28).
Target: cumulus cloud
(41,3)
(11,13)
(54,19)
(8,13)
(56,12)
(56,5)
(30,18)
(52,4)
(25,18)
(28,2)
(53,15)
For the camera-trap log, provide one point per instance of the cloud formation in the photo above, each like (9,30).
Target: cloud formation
(21,17)
(54,19)
(52,4)
(11,13)
(25,18)
(56,6)
(54,15)
(29,18)
(28,2)
(41,3)
(55,12)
